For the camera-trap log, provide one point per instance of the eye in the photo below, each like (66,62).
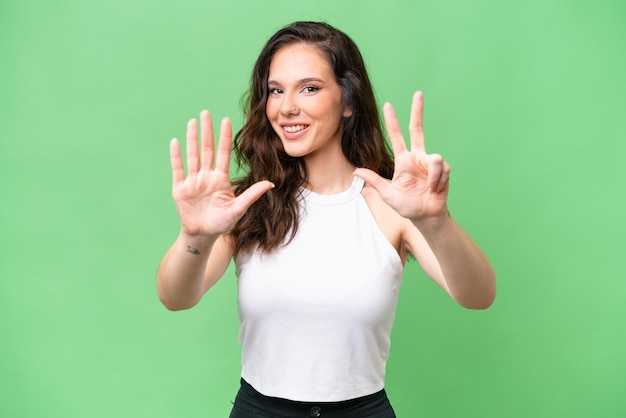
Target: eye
(275,91)
(310,89)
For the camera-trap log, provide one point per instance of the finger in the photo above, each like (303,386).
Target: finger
(207,140)
(416,123)
(375,180)
(435,170)
(178,173)
(393,129)
(445,177)
(251,195)
(192,146)
(225,146)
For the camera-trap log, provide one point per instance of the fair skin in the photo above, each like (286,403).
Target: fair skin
(305,110)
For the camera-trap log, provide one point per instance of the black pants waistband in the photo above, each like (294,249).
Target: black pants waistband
(249,403)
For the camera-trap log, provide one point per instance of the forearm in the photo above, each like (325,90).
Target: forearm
(180,278)
(469,276)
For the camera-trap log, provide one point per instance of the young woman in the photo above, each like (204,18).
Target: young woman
(319,227)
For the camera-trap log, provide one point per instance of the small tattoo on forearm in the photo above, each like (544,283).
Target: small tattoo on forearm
(193,250)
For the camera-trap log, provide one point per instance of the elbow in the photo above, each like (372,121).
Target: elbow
(172,306)
(483,297)
(482,303)
(172,303)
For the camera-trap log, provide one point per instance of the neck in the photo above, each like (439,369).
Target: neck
(329,175)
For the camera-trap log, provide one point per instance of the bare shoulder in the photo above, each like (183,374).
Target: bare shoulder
(393,226)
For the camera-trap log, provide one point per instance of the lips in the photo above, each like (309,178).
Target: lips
(294,128)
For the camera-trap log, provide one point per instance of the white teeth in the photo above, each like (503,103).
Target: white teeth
(295,128)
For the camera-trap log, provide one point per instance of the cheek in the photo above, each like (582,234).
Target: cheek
(271,108)
(334,115)
(268,110)
(270,117)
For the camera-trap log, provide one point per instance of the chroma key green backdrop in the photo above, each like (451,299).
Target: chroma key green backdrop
(524,99)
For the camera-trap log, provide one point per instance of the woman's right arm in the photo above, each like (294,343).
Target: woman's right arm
(189,268)
(208,209)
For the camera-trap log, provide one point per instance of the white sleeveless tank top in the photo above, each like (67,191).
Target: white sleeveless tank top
(316,315)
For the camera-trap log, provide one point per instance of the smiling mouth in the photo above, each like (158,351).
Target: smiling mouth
(294,128)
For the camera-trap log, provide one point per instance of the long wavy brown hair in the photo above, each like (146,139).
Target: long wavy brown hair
(272,221)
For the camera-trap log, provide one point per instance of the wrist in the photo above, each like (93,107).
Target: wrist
(196,243)
(433,222)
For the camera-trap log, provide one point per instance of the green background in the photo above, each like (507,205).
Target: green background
(524,99)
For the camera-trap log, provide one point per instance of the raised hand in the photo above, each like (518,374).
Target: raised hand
(204,198)
(419,188)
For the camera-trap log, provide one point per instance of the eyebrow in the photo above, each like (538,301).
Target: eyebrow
(301,81)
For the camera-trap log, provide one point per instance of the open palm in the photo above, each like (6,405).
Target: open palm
(204,198)
(419,188)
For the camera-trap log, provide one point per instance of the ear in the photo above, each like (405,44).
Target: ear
(347,112)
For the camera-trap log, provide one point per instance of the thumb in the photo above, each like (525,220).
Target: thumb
(251,195)
(373,179)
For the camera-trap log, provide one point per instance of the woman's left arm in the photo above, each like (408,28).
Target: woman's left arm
(453,260)
(419,193)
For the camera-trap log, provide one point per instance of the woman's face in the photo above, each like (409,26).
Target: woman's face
(304,105)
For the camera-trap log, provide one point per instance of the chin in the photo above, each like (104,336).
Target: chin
(293,152)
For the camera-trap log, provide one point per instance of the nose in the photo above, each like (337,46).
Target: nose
(289,105)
